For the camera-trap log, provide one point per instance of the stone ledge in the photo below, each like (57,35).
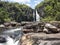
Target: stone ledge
(41,39)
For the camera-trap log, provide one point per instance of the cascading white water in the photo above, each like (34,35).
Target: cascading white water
(37,16)
(13,37)
(10,41)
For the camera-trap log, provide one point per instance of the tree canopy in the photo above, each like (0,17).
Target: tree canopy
(15,11)
(51,9)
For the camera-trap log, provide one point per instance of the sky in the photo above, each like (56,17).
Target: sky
(31,3)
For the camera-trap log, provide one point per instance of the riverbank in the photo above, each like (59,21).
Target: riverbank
(41,39)
(37,33)
(41,33)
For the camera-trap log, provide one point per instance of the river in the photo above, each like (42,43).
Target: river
(11,37)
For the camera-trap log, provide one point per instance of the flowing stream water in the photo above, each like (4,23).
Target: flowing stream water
(11,37)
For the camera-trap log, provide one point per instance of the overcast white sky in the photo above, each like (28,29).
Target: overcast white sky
(31,3)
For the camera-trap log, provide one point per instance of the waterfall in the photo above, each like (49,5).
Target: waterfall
(37,16)
(12,36)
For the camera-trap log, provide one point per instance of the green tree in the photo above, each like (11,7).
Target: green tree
(51,9)
(14,11)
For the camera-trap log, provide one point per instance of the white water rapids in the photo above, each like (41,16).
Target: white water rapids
(12,37)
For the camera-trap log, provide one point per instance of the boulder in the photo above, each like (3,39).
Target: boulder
(56,23)
(18,24)
(27,30)
(7,24)
(45,30)
(51,28)
(31,26)
(13,24)
(27,27)
(2,26)
(2,39)
(26,40)
(25,23)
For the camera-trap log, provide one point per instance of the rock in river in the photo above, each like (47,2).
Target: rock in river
(51,28)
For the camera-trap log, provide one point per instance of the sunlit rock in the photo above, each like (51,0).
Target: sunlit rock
(2,26)
(41,39)
(51,28)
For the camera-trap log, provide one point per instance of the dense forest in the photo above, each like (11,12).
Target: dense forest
(15,12)
(49,10)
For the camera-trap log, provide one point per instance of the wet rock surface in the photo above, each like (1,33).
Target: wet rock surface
(42,27)
(41,34)
(2,39)
(37,33)
(41,39)
(52,27)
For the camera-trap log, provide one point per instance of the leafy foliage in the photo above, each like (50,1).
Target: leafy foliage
(15,11)
(51,9)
